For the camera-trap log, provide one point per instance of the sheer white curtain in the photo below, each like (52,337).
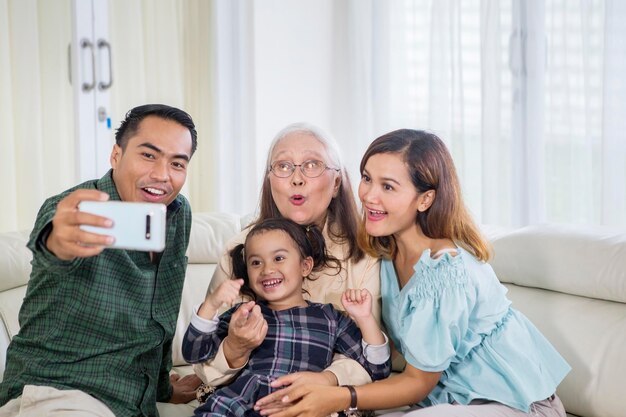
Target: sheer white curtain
(196,55)
(613,144)
(36,131)
(163,54)
(529,96)
(440,66)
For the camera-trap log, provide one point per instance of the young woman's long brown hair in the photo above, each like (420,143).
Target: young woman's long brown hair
(430,167)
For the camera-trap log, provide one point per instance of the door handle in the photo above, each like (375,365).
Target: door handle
(86,44)
(102,44)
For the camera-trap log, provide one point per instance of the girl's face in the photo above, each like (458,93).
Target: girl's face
(299,198)
(276,269)
(390,200)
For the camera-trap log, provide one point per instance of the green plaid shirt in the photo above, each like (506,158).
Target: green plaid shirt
(103,325)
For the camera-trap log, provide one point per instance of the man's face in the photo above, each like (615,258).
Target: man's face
(153,167)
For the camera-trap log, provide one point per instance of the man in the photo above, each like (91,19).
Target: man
(97,325)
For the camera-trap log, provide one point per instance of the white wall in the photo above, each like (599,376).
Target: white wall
(302,73)
(293,52)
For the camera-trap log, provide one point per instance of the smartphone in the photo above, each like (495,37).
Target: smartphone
(136,226)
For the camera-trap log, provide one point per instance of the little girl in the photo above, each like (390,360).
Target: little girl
(277,256)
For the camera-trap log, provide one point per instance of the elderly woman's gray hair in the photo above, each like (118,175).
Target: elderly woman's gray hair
(326,139)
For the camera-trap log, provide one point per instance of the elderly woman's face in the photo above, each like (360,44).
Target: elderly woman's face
(300,198)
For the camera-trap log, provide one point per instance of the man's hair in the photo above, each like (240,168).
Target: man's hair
(130,124)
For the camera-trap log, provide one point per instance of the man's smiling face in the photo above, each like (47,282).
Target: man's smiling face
(152,167)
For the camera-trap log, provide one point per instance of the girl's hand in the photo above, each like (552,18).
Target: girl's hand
(358,303)
(246,331)
(227,293)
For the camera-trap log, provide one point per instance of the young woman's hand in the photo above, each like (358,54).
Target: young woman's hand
(305,377)
(358,303)
(304,401)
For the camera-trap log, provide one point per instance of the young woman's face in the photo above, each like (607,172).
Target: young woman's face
(390,200)
(276,268)
(300,198)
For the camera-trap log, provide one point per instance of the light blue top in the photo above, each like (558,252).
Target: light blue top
(453,317)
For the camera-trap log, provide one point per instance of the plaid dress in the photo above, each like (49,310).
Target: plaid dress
(298,339)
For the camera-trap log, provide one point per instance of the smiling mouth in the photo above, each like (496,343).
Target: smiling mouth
(376,212)
(271,283)
(154,191)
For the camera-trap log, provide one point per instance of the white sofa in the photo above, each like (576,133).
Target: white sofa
(570,281)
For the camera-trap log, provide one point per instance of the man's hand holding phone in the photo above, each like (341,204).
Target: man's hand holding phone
(136,225)
(86,223)
(66,239)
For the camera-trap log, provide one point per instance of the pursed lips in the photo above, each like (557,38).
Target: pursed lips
(297,199)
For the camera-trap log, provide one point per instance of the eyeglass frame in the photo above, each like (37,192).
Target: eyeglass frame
(294,166)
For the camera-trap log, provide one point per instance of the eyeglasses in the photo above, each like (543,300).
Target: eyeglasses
(311,168)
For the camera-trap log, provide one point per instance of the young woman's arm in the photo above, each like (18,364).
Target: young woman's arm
(407,388)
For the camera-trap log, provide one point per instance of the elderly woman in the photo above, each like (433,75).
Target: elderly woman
(305,181)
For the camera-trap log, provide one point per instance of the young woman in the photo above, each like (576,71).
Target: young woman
(468,351)
(277,257)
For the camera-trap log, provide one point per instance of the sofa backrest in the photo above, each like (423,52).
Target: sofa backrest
(571,282)
(14,273)
(577,260)
(209,234)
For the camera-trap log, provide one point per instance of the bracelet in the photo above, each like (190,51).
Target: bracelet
(352,398)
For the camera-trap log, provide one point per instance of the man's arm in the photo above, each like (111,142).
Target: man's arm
(66,240)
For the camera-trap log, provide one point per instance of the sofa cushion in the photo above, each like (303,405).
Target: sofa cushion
(576,260)
(209,234)
(194,290)
(15,260)
(10,302)
(591,335)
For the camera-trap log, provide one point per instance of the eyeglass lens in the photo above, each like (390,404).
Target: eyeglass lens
(311,168)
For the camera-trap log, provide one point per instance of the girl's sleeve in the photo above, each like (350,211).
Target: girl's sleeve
(201,343)
(350,343)
(434,321)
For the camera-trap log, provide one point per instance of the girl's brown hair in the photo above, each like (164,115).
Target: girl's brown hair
(308,239)
(430,167)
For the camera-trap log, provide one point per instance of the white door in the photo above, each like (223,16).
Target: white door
(92,79)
